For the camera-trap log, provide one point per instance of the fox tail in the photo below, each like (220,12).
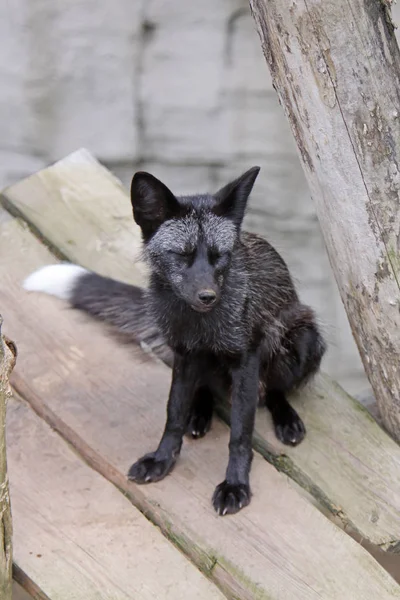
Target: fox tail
(118,304)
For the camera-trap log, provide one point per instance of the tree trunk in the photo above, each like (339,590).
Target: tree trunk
(7,361)
(336,67)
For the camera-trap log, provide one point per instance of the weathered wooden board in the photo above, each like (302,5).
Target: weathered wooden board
(79,189)
(347,462)
(76,535)
(111,407)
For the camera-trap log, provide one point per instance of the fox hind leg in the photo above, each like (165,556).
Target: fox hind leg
(201,413)
(299,359)
(289,428)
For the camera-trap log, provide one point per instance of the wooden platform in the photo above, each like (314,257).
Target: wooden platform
(86,407)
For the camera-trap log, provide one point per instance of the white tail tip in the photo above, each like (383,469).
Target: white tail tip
(57,280)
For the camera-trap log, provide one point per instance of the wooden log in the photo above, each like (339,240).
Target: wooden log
(336,67)
(346,461)
(7,361)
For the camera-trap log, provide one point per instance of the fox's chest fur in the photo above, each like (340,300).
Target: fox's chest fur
(229,330)
(221,332)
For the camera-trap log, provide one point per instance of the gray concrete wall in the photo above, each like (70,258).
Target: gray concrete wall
(178,88)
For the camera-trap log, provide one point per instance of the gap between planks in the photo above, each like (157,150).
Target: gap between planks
(28,585)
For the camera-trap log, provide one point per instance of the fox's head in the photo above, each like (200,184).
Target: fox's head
(189,240)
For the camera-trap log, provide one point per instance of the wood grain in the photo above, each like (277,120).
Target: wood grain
(76,536)
(336,68)
(347,462)
(280,547)
(79,190)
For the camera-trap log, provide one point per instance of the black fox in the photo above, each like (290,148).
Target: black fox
(221,308)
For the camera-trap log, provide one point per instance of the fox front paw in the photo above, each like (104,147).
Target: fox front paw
(230,498)
(149,469)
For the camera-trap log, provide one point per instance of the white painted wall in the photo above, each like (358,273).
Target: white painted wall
(180,89)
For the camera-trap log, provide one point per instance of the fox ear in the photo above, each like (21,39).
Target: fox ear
(152,202)
(232,198)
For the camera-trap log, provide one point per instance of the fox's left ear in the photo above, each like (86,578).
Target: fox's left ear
(232,198)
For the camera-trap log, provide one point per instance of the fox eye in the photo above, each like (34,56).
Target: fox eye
(215,255)
(184,253)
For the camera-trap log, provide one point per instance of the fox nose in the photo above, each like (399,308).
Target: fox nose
(207,297)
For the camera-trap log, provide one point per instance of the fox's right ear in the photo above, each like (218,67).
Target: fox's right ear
(152,202)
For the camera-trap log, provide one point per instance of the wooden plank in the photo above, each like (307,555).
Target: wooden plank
(346,461)
(111,407)
(80,185)
(76,535)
